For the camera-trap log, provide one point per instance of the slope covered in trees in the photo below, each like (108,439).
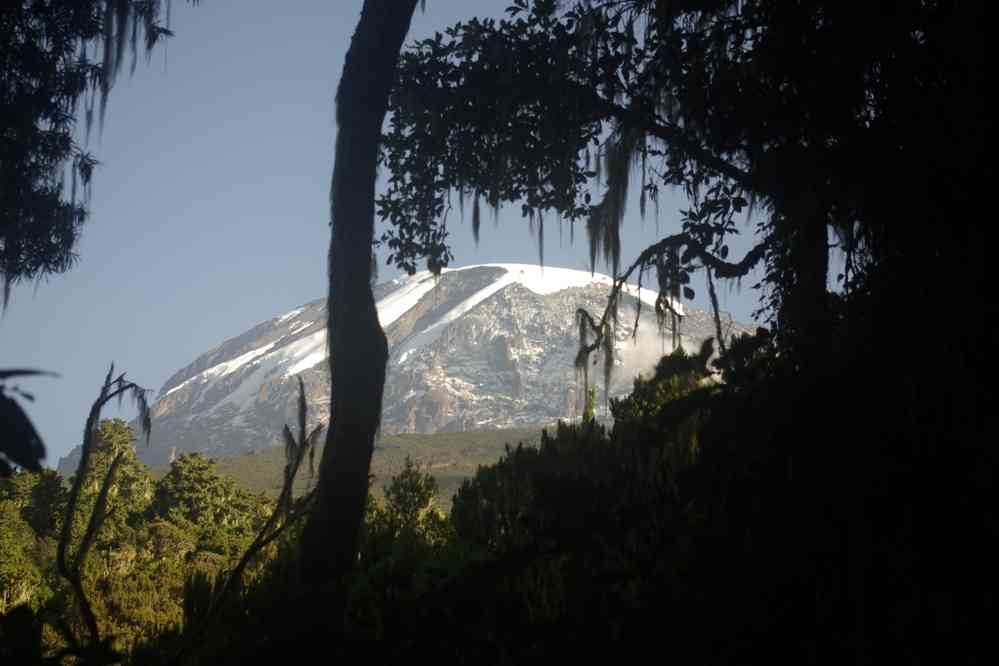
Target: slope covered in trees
(450,457)
(154,536)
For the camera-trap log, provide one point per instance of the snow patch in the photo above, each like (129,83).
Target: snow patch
(288,315)
(228,367)
(398,302)
(434,331)
(224,368)
(540,280)
(546,280)
(306,353)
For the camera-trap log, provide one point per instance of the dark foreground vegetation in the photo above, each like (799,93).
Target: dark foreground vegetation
(696,520)
(817,494)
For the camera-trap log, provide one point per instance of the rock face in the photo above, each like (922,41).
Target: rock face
(488,346)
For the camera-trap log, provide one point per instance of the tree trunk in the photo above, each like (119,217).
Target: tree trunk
(807,312)
(358,350)
(804,311)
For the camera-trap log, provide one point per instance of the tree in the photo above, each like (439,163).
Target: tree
(49,64)
(131,489)
(194,492)
(745,106)
(860,125)
(410,495)
(40,498)
(116,441)
(19,575)
(358,350)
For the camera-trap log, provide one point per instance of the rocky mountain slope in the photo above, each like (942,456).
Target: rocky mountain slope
(481,347)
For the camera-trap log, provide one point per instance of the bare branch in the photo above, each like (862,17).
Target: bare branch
(697,250)
(714,310)
(110,390)
(678,139)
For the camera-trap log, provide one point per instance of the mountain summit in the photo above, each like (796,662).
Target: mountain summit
(481,347)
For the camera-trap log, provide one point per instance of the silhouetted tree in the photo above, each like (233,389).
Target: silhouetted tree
(55,55)
(358,349)
(814,114)
(856,126)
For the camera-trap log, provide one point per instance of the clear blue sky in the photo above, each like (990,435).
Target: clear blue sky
(210,207)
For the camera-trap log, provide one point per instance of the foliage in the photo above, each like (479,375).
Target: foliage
(40,498)
(512,111)
(505,503)
(213,598)
(126,547)
(405,549)
(55,55)
(806,499)
(670,406)
(563,99)
(155,537)
(129,491)
(574,528)
(19,575)
(21,446)
(674,377)
(193,492)
(410,498)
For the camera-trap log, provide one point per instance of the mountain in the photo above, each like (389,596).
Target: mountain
(482,347)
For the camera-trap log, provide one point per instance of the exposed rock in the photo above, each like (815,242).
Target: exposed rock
(479,347)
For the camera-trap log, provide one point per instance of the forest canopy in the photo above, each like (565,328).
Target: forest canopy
(862,125)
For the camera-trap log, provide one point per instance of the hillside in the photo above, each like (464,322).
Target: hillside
(450,456)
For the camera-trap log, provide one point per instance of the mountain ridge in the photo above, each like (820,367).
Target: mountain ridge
(483,346)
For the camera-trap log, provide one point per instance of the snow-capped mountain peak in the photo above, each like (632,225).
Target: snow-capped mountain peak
(483,346)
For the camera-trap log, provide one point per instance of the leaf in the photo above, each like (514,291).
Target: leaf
(688,293)
(24,372)
(21,443)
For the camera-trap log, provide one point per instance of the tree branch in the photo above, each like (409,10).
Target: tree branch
(677,138)
(111,389)
(721,268)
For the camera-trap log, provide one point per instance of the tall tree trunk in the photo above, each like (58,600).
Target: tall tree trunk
(358,350)
(804,317)
(806,313)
